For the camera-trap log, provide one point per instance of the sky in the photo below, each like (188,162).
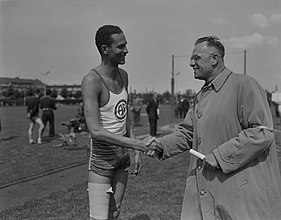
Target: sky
(37,36)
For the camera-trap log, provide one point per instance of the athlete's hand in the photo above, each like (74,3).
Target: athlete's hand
(138,163)
(154,146)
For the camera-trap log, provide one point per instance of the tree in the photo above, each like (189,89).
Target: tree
(29,91)
(77,94)
(12,93)
(166,97)
(54,93)
(64,93)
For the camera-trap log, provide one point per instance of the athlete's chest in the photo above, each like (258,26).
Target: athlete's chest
(114,86)
(110,89)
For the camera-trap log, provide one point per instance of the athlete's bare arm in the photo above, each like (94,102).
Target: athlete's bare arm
(138,164)
(91,90)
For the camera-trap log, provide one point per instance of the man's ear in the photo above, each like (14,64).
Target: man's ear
(215,59)
(104,49)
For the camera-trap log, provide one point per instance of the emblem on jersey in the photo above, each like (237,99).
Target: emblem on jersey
(120,110)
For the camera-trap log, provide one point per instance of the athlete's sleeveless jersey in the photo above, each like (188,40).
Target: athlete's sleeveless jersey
(114,114)
(106,159)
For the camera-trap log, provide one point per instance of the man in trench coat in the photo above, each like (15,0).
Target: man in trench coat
(230,122)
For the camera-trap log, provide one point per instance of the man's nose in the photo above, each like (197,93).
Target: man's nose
(126,50)
(191,62)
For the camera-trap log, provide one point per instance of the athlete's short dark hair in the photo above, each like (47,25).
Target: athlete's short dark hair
(103,35)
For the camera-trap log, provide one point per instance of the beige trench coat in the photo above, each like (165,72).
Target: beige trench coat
(225,121)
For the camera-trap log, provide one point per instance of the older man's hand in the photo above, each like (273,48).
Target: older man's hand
(210,162)
(154,146)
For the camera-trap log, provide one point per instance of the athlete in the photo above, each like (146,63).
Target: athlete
(48,105)
(33,116)
(105,100)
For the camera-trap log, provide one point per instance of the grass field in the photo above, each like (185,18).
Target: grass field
(19,159)
(156,194)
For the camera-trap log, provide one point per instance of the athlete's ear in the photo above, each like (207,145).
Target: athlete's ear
(104,49)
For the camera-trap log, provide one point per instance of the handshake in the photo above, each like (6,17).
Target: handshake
(153,146)
(150,147)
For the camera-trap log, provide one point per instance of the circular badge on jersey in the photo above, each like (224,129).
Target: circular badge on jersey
(120,110)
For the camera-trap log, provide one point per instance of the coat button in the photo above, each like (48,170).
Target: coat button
(202,192)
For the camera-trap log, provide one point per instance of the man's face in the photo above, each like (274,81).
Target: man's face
(201,61)
(118,49)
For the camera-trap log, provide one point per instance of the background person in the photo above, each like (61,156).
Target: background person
(185,106)
(105,100)
(48,105)
(81,118)
(152,112)
(136,109)
(230,122)
(33,116)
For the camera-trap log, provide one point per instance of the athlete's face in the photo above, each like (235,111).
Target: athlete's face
(118,49)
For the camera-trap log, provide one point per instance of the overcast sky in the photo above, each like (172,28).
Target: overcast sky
(58,36)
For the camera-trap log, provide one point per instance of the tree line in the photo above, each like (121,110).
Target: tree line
(14,96)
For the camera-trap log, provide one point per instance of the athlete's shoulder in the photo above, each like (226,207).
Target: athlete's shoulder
(91,78)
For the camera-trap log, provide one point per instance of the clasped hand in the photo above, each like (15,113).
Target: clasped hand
(154,146)
(154,149)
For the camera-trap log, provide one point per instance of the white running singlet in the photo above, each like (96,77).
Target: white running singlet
(114,114)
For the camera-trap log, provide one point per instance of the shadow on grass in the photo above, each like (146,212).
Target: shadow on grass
(8,138)
(49,139)
(141,217)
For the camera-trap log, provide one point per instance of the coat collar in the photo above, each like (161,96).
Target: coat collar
(219,81)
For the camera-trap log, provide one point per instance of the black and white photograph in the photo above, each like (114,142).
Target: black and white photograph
(140,109)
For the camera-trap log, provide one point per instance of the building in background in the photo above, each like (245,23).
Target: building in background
(19,84)
(15,91)
(70,88)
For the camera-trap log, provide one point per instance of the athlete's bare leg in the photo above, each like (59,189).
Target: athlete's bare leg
(30,130)
(96,182)
(119,183)
(40,129)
